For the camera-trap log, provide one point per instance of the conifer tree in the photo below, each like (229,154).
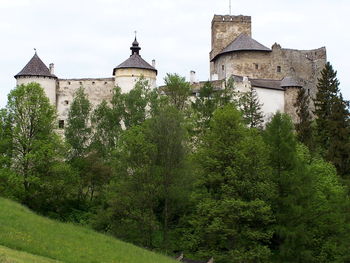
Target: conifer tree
(304,125)
(251,109)
(307,189)
(327,92)
(332,119)
(339,142)
(233,218)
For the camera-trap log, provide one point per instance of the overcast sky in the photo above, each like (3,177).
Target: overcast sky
(88,38)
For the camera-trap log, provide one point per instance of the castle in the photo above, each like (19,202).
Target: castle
(275,73)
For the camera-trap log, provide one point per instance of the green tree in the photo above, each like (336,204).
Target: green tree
(304,125)
(168,135)
(251,109)
(7,186)
(78,130)
(35,145)
(327,92)
(136,104)
(177,89)
(332,119)
(339,142)
(133,194)
(233,218)
(303,202)
(106,122)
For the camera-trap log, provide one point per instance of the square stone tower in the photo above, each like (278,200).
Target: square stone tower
(225,29)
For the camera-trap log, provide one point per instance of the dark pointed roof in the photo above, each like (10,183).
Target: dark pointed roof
(35,67)
(243,43)
(135,60)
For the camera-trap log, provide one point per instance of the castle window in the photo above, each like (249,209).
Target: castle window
(66,102)
(93,83)
(308,92)
(80,83)
(256,66)
(223,67)
(61,124)
(68,82)
(278,69)
(105,82)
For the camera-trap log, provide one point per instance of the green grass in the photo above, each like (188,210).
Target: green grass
(14,256)
(24,231)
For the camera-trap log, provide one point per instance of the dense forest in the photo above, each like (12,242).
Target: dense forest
(202,175)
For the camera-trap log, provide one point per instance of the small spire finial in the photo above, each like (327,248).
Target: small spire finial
(35,50)
(135,32)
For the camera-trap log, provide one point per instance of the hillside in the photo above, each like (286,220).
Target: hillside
(27,237)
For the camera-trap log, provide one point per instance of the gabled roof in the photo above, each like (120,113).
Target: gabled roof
(243,43)
(35,67)
(135,61)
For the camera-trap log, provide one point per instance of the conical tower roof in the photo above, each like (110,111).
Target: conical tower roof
(135,60)
(35,67)
(243,43)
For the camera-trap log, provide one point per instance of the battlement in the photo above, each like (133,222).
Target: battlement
(231,18)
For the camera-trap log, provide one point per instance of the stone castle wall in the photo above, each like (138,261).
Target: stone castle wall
(305,65)
(97,90)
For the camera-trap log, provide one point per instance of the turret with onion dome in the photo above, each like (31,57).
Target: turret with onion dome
(36,71)
(131,70)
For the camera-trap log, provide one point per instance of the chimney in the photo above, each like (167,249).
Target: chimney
(154,63)
(192,76)
(52,68)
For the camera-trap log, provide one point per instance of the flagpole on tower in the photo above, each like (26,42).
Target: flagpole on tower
(230,7)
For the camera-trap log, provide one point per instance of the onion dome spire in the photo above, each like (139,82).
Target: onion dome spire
(135,49)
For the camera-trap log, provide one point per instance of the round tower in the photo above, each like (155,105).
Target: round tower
(36,71)
(132,69)
(291,88)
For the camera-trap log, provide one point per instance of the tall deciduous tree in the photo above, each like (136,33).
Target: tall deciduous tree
(168,135)
(177,89)
(136,104)
(34,142)
(78,130)
(106,121)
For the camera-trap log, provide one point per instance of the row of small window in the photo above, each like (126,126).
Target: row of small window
(93,83)
(278,69)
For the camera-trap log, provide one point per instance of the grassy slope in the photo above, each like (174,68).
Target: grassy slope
(21,229)
(8,255)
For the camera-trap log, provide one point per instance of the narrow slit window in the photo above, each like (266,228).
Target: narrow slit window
(278,69)
(256,66)
(223,67)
